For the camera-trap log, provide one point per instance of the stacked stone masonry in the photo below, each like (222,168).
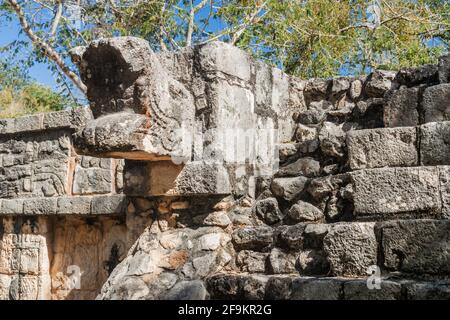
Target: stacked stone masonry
(354,178)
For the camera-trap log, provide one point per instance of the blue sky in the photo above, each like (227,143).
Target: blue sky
(39,71)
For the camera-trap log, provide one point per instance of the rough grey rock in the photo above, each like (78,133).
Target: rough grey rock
(351,248)
(257,238)
(307,167)
(416,246)
(332,140)
(304,211)
(378,83)
(387,147)
(435,143)
(288,188)
(444,69)
(11,206)
(92,180)
(396,190)
(268,211)
(436,103)
(202,177)
(401,109)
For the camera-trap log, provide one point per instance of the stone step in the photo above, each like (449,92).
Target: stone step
(411,191)
(292,287)
(428,144)
(349,249)
(65,205)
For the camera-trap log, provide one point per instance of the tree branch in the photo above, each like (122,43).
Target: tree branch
(47,50)
(57,18)
(237,35)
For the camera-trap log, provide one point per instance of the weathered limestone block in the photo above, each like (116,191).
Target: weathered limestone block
(436,103)
(351,248)
(401,109)
(307,167)
(316,289)
(281,261)
(317,89)
(357,290)
(386,191)
(387,147)
(92,176)
(435,143)
(444,69)
(417,246)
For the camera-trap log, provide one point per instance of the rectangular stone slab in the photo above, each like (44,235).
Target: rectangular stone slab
(396,190)
(435,143)
(386,147)
(418,246)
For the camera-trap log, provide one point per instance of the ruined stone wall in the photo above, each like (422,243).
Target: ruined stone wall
(358,184)
(57,209)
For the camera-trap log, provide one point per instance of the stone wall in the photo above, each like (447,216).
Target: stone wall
(57,209)
(358,183)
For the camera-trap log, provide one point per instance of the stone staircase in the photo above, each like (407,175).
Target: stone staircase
(359,208)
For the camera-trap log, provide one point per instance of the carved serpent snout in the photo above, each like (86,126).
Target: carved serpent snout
(118,73)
